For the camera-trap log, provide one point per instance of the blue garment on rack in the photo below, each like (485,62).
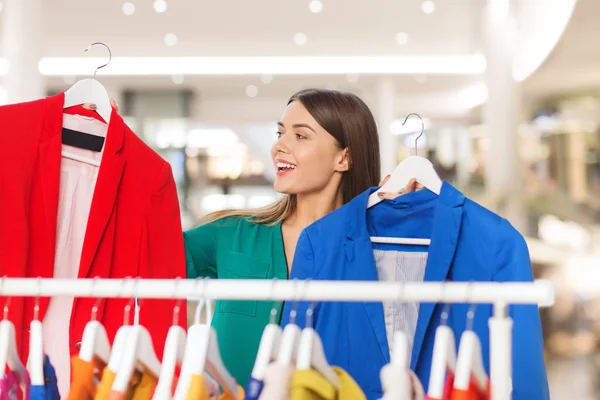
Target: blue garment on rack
(49,391)
(468,243)
(253,389)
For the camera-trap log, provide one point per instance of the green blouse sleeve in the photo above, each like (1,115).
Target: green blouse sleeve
(201,251)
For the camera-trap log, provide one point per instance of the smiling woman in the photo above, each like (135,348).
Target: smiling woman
(326,153)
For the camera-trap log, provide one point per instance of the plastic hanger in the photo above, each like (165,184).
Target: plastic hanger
(268,347)
(444,357)
(120,340)
(290,339)
(173,354)
(139,350)
(470,360)
(94,342)
(8,347)
(311,354)
(35,361)
(411,167)
(89,91)
(202,353)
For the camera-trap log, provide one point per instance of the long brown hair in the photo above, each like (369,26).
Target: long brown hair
(348,119)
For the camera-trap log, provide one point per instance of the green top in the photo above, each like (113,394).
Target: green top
(235,248)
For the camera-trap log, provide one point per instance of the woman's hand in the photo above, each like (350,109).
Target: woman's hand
(411,187)
(114,105)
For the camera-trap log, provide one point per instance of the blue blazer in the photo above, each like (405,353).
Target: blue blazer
(468,243)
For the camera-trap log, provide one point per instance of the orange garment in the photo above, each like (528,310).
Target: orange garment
(227,395)
(447,388)
(144,389)
(141,387)
(84,379)
(474,392)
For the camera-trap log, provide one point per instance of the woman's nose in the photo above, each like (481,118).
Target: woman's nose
(283,145)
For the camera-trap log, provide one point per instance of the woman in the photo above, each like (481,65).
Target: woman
(326,153)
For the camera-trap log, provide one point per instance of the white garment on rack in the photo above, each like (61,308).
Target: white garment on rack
(77,184)
(400,266)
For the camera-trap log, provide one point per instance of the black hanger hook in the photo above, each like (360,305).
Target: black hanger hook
(109,55)
(422,128)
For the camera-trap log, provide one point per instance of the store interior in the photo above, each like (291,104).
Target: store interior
(508,91)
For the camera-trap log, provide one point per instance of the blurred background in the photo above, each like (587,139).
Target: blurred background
(509,92)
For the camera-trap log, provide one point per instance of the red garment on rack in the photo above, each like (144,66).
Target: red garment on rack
(134,227)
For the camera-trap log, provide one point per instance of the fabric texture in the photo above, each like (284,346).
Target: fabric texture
(38,392)
(85,379)
(104,388)
(468,243)
(197,389)
(50,381)
(227,395)
(277,382)
(398,266)
(144,389)
(310,385)
(134,225)
(236,248)
(253,389)
(11,388)
(76,190)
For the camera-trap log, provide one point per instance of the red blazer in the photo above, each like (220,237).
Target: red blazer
(134,226)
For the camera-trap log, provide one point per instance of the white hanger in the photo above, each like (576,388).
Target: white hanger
(95,340)
(202,353)
(412,167)
(90,91)
(394,377)
(470,360)
(8,347)
(443,359)
(311,354)
(138,350)
(268,347)
(173,354)
(290,340)
(35,361)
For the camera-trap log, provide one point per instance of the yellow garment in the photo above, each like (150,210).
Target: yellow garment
(311,385)
(197,389)
(141,387)
(108,377)
(84,374)
(200,390)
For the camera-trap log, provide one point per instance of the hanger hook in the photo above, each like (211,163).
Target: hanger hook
(98,299)
(310,311)
(109,56)
(36,307)
(273,314)
(447,306)
(471,312)
(7,302)
(200,303)
(422,128)
(208,304)
(127,310)
(178,302)
(138,303)
(294,303)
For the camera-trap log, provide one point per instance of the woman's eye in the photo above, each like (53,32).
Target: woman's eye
(278,134)
(299,136)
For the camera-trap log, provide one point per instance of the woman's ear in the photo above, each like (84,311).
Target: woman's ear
(344,161)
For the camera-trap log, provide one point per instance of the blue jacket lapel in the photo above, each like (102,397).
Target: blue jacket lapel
(444,238)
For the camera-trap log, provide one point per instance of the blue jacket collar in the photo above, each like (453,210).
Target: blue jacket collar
(444,237)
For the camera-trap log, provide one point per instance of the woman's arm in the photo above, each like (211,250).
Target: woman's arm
(201,251)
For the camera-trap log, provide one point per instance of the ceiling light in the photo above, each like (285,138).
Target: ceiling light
(401,38)
(160,6)
(315,6)
(170,39)
(300,39)
(428,7)
(474,64)
(128,8)
(177,78)
(251,91)
(266,78)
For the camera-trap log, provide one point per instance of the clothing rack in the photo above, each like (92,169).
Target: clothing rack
(500,295)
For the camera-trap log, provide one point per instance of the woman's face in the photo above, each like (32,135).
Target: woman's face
(305,156)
